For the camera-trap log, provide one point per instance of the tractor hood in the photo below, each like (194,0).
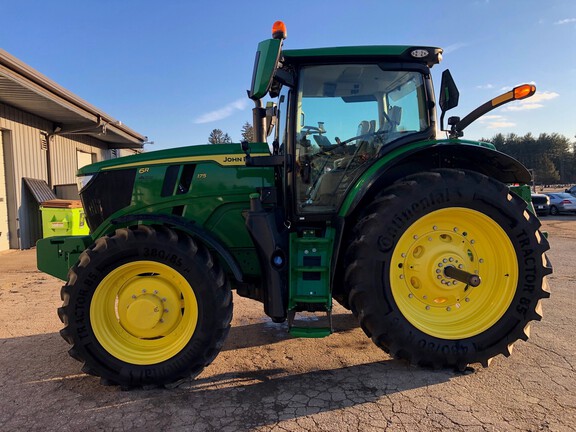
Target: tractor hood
(222,154)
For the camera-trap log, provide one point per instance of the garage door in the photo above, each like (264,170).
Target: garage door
(4,241)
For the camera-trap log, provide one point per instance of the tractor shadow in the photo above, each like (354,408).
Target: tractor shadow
(36,371)
(268,332)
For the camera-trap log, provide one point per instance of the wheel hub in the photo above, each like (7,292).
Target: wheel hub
(424,263)
(148,306)
(145,312)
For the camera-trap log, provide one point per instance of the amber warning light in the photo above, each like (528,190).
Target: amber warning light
(279,30)
(524,91)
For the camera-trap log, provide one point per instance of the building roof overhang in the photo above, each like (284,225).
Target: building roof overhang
(28,90)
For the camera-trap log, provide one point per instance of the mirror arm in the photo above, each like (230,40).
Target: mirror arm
(259,121)
(473,116)
(442,121)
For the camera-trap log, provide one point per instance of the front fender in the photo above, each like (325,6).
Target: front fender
(185,225)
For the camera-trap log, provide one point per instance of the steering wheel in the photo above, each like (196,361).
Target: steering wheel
(311,129)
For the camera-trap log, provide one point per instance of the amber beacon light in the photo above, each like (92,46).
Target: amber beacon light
(279,30)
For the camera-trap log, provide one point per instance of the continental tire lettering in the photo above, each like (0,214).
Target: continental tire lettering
(442,348)
(91,279)
(524,305)
(530,277)
(162,255)
(401,220)
(523,238)
(175,260)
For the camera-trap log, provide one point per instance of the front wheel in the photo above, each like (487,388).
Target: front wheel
(407,301)
(145,306)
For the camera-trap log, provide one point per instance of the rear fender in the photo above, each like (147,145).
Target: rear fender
(443,154)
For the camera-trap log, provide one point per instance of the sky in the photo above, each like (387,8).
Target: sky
(177,69)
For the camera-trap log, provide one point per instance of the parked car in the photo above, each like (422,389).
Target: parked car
(541,203)
(571,191)
(562,202)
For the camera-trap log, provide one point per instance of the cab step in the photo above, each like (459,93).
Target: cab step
(310,291)
(309,325)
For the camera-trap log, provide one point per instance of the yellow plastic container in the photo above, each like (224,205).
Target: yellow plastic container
(63,217)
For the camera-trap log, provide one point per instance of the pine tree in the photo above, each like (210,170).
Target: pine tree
(247,132)
(219,137)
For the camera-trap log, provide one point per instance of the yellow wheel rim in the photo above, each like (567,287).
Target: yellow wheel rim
(441,306)
(144,312)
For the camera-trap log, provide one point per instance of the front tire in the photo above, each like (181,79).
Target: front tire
(405,239)
(145,306)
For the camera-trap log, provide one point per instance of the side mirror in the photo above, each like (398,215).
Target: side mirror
(264,67)
(449,95)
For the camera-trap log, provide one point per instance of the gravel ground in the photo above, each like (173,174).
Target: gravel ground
(265,380)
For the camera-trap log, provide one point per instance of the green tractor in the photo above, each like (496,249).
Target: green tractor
(345,193)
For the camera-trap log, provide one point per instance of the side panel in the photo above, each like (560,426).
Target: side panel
(211,191)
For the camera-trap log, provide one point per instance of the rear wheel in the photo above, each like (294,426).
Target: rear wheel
(146,305)
(406,239)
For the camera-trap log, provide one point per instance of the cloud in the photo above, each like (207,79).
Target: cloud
(489,117)
(543,96)
(500,125)
(456,46)
(495,121)
(485,86)
(222,113)
(566,21)
(523,106)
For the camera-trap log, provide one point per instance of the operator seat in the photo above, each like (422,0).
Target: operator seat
(363,129)
(322,141)
(395,115)
(326,190)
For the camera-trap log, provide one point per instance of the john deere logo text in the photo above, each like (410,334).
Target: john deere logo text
(229,159)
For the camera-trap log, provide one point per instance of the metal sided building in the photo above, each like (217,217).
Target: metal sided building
(46,134)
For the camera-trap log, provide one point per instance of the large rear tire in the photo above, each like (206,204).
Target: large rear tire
(145,306)
(424,223)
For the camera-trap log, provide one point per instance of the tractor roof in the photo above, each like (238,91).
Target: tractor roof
(399,53)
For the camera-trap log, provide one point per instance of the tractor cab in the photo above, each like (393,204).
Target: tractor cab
(338,111)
